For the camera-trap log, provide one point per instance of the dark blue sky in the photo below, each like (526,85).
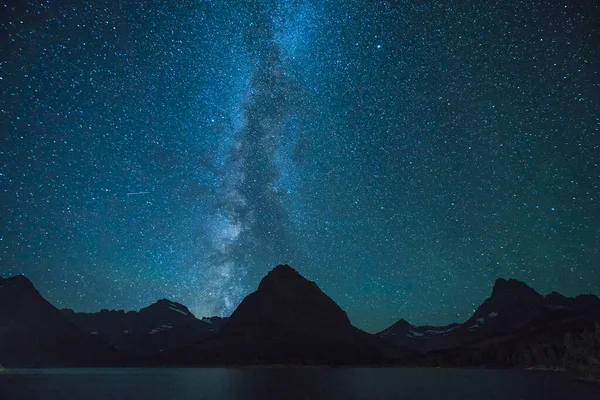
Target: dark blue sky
(401,154)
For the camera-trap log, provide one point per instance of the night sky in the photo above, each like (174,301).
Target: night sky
(402,154)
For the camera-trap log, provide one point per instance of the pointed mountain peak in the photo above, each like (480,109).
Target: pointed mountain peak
(17,280)
(402,326)
(514,290)
(509,284)
(403,322)
(555,296)
(508,294)
(283,269)
(287,299)
(283,272)
(18,285)
(168,305)
(285,281)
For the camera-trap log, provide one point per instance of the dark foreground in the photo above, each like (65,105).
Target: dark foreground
(292,383)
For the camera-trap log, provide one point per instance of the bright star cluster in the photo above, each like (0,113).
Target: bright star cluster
(403,155)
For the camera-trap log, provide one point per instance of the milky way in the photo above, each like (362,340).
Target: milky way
(403,155)
(251,217)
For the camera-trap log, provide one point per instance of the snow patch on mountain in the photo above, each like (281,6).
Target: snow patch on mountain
(159,329)
(440,331)
(178,310)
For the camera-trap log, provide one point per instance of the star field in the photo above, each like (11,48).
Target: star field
(403,155)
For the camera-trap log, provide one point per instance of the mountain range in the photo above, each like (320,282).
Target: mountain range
(161,326)
(33,333)
(512,308)
(288,320)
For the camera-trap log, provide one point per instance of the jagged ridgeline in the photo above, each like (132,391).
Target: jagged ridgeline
(289,320)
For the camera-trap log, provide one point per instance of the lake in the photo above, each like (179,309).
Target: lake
(292,384)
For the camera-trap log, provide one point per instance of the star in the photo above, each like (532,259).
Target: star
(184,150)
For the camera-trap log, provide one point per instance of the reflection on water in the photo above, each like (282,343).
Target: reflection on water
(291,383)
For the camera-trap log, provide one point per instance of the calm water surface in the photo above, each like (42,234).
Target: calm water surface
(291,383)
